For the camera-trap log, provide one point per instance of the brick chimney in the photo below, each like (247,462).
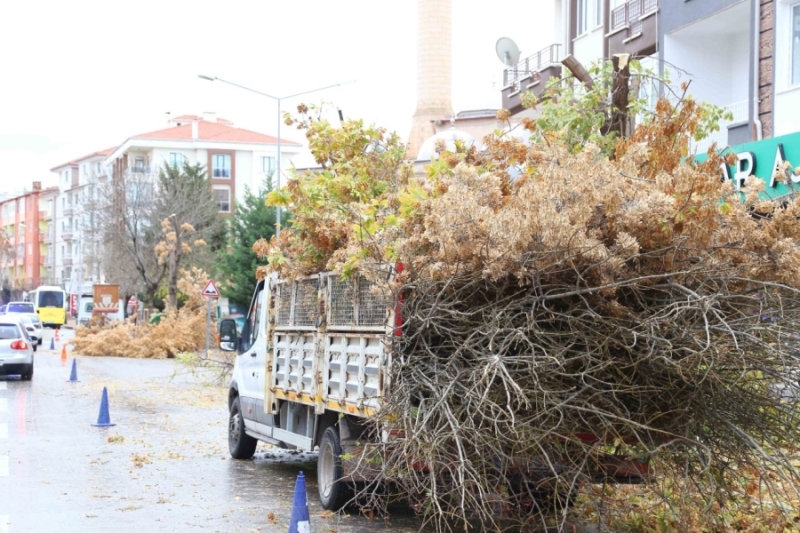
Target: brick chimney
(434,71)
(37,185)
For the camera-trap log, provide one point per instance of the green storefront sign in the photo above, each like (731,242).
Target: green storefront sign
(763,159)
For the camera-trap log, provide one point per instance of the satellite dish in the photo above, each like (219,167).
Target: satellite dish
(507,51)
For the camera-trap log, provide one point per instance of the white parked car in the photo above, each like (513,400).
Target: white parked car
(30,327)
(37,324)
(16,349)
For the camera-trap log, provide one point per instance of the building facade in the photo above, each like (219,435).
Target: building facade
(234,159)
(23,244)
(740,55)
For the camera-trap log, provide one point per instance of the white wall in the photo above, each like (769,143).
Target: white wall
(786,112)
(717,67)
(588,48)
(245,174)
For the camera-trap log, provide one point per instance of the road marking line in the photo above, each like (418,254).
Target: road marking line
(4,523)
(3,431)
(3,466)
(3,405)
(3,386)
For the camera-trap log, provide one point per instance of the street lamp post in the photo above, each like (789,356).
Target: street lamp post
(278,99)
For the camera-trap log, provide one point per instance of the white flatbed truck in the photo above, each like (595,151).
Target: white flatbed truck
(312,363)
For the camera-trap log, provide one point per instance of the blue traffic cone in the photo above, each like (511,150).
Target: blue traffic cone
(299,522)
(73,376)
(103,419)
(52,343)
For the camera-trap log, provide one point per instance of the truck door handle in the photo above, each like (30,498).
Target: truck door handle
(253,354)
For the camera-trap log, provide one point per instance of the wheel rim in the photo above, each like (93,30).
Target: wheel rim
(325,470)
(234,430)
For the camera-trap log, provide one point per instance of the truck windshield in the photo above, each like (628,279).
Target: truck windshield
(20,308)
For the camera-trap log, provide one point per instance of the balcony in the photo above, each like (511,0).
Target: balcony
(740,112)
(67,235)
(138,171)
(45,215)
(67,211)
(634,28)
(67,261)
(531,74)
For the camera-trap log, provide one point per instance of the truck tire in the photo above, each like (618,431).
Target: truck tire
(333,490)
(240,444)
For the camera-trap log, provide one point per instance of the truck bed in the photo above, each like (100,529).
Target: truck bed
(329,344)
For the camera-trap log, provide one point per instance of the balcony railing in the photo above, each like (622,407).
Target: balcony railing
(138,171)
(740,111)
(67,235)
(67,211)
(630,13)
(530,67)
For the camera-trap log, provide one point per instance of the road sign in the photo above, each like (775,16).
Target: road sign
(211,290)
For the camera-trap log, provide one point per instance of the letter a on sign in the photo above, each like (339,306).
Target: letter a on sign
(211,290)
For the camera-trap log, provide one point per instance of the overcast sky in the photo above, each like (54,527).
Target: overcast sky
(81,76)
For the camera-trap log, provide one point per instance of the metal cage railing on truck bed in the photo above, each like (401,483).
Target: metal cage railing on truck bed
(353,304)
(329,342)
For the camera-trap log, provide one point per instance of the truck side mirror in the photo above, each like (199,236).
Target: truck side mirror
(227,335)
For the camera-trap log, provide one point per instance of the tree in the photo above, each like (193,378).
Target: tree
(6,255)
(611,302)
(125,210)
(253,220)
(186,205)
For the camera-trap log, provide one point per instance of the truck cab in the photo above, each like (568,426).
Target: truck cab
(310,366)
(85,306)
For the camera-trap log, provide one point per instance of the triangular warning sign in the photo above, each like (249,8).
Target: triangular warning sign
(210,290)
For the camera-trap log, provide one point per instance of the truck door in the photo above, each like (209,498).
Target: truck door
(252,353)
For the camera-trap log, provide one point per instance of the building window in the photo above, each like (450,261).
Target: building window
(267,164)
(138,164)
(223,195)
(176,159)
(221,165)
(583,16)
(796,44)
(598,12)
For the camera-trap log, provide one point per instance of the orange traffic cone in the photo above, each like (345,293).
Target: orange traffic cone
(64,352)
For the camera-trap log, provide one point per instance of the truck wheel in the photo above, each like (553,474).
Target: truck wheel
(333,490)
(240,444)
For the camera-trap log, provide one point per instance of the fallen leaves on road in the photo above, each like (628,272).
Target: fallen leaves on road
(140,460)
(271,517)
(116,439)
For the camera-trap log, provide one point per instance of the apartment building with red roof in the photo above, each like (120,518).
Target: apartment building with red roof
(233,158)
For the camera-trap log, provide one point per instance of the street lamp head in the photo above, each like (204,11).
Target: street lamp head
(204,77)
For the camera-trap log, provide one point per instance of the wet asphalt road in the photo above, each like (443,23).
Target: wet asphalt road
(163,467)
